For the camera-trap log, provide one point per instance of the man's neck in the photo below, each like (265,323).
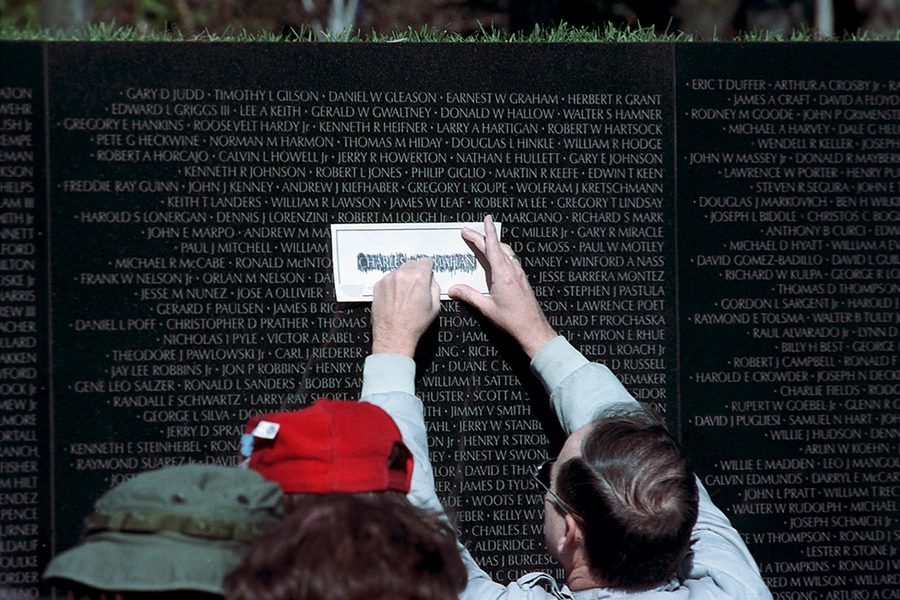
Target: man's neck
(581,578)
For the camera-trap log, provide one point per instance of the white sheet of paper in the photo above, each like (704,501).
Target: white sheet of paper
(363,253)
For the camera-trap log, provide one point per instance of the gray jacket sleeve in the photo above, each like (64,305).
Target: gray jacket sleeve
(388,382)
(719,565)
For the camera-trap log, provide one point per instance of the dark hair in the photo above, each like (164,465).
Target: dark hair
(351,547)
(636,491)
(389,500)
(79,591)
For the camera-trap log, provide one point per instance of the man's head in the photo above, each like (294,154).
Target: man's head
(351,547)
(628,481)
(174,531)
(333,446)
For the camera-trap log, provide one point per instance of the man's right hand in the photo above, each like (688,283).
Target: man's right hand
(511,306)
(404,304)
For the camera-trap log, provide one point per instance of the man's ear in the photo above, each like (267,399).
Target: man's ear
(573,536)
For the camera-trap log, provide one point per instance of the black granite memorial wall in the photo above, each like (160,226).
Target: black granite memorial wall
(718,223)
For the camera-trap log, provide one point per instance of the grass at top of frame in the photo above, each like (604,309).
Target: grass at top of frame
(110,32)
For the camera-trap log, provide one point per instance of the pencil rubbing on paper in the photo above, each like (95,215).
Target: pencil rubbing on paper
(443,263)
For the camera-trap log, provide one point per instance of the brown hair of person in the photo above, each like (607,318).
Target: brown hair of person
(351,547)
(79,591)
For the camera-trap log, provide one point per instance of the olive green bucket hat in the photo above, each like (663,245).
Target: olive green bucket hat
(177,528)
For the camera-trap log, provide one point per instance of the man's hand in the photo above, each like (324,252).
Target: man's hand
(404,304)
(511,305)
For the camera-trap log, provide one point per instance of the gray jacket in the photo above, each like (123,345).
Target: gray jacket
(719,564)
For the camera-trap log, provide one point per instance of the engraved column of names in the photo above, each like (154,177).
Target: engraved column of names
(801,267)
(22,353)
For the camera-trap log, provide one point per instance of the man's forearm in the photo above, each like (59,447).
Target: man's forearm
(579,389)
(386,372)
(388,382)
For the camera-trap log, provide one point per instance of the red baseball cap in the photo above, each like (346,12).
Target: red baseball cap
(331,446)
